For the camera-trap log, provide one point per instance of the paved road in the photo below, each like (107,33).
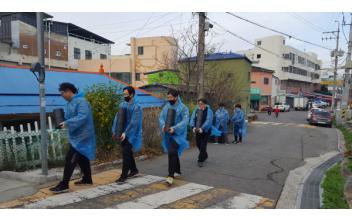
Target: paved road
(260,165)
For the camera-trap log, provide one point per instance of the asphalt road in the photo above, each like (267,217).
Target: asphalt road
(261,164)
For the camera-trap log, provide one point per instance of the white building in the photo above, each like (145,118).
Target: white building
(297,71)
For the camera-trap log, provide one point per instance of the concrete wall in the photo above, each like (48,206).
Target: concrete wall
(258,79)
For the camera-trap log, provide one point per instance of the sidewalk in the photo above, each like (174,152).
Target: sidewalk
(12,189)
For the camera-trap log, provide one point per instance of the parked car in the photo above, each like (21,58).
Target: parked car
(321,117)
(310,111)
(282,106)
(320,104)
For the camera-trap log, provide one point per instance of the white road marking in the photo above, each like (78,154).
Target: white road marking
(165,197)
(69,198)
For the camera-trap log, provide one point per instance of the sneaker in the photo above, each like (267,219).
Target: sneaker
(216,143)
(133,174)
(169,180)
(81,182)
(59,189)
(234,142)
(177,175)
(201,164)
(121,180)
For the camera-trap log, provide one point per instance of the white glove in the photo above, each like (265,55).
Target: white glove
(194,130)
(200,130)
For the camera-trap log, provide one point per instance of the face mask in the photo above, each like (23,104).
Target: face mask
(127,98)
(172,102)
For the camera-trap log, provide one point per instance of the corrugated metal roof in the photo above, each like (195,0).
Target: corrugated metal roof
(19,89)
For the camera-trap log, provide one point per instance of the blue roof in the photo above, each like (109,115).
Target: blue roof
(220,56)
(19,89)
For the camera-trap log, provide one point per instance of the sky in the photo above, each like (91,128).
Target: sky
(119,27)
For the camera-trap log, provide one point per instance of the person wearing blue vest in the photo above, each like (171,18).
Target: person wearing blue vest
(81,135)
(238,124)
(222,118)
(131,137)
(175,137)
(202,129)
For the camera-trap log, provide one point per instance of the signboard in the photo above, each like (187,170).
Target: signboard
(338,82)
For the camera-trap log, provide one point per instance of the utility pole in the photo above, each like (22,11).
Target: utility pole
(200,54)
(41,70)
(336,55)
(348,66)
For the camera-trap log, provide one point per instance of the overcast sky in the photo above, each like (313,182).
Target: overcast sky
(119,27)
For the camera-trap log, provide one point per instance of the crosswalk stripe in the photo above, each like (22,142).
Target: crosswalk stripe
(201,200)
(73,197)
(158,199)
(123,196)
(244,201)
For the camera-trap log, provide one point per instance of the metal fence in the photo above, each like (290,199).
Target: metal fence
(20,147)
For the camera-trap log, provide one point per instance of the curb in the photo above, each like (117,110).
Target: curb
(292,193)
(55,174)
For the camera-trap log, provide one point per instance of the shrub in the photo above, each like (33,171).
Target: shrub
(104,100)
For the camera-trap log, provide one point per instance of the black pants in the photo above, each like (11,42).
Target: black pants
(202,141)
(238,137)
(128,162)
(72,158)
(174,160)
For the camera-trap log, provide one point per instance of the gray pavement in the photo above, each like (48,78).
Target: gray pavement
(261,164)
(11,189)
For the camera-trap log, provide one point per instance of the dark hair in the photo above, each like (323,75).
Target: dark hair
(67,86)
(130,90)
(221,104)
(203,100)
(173,92)
(238,106)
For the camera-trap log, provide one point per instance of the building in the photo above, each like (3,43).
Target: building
(148,54)
(297,71)
(226,78)
(261,87)
(64,43)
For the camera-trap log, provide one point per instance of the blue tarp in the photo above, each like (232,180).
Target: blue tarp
(19,89)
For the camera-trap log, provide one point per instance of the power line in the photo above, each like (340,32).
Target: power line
(343,24)
(242,38)
(306,22)
(282,33)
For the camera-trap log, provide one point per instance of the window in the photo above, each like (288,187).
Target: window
(103,56)
(253,82)
(283,42)
(58,53)
(259,43)
(5,29)
(301,60)
(88,55)
(266,81)
(259,56)
(140,50)
(138,77)
(76,53)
